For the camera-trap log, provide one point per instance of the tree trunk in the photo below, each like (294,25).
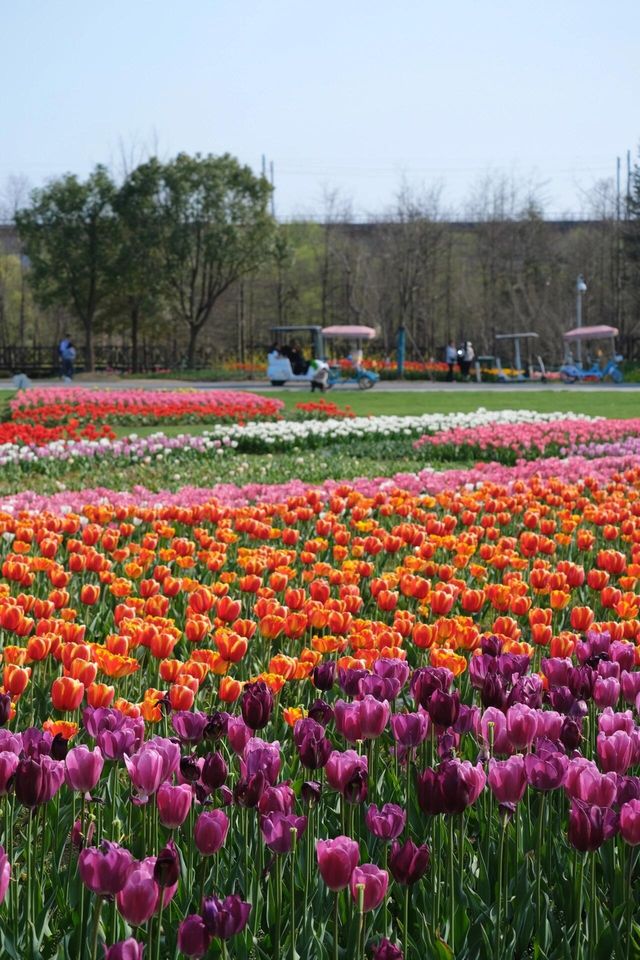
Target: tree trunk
(191,349)
(135,328)
(88,347)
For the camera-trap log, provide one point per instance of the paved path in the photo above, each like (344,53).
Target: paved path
(390,386)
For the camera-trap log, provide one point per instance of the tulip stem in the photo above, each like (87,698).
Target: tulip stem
(96,926)
(579,908)
(500,875)
(539,863)
(159,935)
(405,925)
(360,945)
(336,924)
(385,908)
(292,887)
(278,891)
(452,892)
(629,901)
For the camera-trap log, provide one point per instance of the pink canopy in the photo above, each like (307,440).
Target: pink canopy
(350,332)
(591,333)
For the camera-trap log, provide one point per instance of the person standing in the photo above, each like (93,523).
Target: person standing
(62,347)
(68,359)
(468,356)
(451,358)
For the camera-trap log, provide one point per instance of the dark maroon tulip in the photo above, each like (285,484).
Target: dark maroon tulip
(443,708)
(214,770)
(408,862)
(448,743)
(545,771)
(210,831)
(105,869)
(356,787)
(337,859)
(193,936)
(324,675)
(491,646)
(385,950)
(387,823)
(461,784)
(561,699)
(279,798)
(225,918)
(59,747)
(256,705)
(247,793)
(5,708)
(426,681)
(429,795)
(590,826)
(468,720)
(310,792)
(124,950)
(37,781)
(580,681)
(571,733)
(277,830)
(321,711)
(314,752)
(527,691)
(217,724)
(493,692)
(189,726)
(166,870)
(189,769)
(628,789)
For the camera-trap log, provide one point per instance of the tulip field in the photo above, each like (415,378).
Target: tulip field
(245,714)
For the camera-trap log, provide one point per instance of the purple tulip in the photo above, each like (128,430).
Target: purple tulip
(608,669)
(217,724)
(5,874)
(628,789)
(380,688)
(373,883)
(314,748)
(585,782)
(590,826)
(549,724)
(189,726)
(453,787)
(104,869)
(348,720)
(10,742)
(174,804)
(260,756)
(277,799)
(385,950)
(527,691)
(277,829)
(210,831)
(170,753)
(615,752)
(349,680)
(556,670)
(387,823)
(138,899)
(83,768)
(630,822)
(310,792)
(238,734)
(546,769)
(122,740)
(493,727)
(410,729)
(348,773)
(609,722)
(145,769)
(393,669)
(374,717)
(193,936)
(225,918)
(36,781)
(125,950)
(508,781)
(337,859)
(606,692)
(623,652)
(256,705)
(522,726)
(8,764)
(407,862)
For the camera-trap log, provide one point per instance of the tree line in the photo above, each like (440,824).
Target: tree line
(187,252)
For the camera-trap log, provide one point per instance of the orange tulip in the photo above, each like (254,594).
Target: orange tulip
(66,693)
(100,694)
(229,689)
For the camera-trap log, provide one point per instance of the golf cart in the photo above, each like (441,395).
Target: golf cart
(526,373)
(601,357)
(354,373)
(281,371)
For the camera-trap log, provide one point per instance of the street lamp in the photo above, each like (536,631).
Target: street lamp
(581,289)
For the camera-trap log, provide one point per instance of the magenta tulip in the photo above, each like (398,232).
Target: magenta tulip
(373,882)
(210,831)
(5,874)
(508,781)
(83,768)
(138,899)
(174,804)
(630,822)
(105,869)
(125,950)
(337,859)
(193,936)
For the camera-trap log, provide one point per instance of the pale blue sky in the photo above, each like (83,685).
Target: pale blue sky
(348,95)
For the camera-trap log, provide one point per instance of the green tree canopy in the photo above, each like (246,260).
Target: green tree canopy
(70,234)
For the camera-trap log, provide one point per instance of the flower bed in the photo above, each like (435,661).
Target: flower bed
(57,405)
(507,442)
(355,720)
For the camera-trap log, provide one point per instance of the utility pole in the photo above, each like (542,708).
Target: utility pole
(273,190)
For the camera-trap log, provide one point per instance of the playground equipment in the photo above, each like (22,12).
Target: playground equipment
(601,365)
(279,370)
(526,373)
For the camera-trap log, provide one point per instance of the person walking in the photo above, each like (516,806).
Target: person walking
(62,347)
(451,358)
(68,358)
(467,358)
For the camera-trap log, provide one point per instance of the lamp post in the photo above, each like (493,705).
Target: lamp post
(581,289)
